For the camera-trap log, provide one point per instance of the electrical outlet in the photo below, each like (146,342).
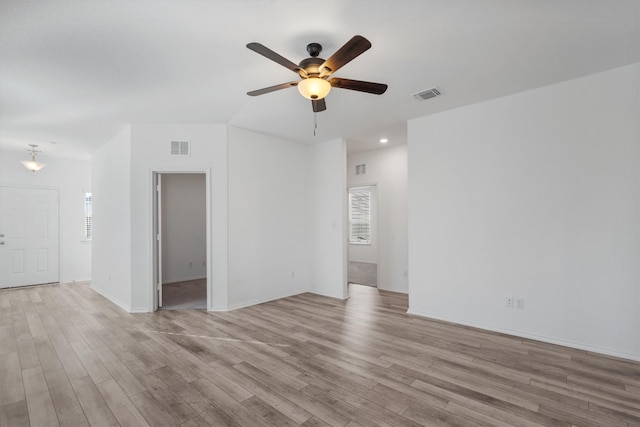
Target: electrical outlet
(190,264)
(509,303)
(520,303)
(293,274)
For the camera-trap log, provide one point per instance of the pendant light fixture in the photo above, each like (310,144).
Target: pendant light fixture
(32,165)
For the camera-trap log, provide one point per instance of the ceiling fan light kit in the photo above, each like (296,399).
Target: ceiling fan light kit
(315,72)
(314,88)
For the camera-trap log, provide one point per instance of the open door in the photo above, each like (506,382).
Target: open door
(157,230)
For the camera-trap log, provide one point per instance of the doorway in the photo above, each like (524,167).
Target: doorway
(363,239)
(181,250)
(29,236)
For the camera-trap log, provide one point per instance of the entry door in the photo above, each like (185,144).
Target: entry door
(29,246)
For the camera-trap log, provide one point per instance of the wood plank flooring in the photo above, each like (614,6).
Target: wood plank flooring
(69,357)
(188,295)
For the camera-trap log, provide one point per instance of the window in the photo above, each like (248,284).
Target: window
(360,215)
(88,217)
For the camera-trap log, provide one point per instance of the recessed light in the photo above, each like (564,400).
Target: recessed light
(384,140)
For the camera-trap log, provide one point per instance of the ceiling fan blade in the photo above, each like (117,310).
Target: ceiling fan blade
(269,54)
(318,105)
(271,88)
(354,47)
(369,87)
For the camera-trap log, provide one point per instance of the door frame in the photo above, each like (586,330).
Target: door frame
(373,185)
(59,227)
(156,255)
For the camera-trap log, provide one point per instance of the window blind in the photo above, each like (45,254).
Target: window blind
(88,216)
(360,216)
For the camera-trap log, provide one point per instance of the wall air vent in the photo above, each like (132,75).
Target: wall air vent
(361,169)
(180,148)
(426,94)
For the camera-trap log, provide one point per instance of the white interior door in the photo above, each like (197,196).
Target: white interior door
(157,230)
(29,236)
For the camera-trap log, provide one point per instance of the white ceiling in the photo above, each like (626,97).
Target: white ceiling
(75,72)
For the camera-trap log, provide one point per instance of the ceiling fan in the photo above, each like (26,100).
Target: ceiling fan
(315,72)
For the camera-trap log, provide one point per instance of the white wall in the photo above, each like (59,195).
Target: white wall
(150,151)
(268,218)
(276,215)
(71,177)
(536,196)
(111,178)
(387,169)
(327,207)
(184,227)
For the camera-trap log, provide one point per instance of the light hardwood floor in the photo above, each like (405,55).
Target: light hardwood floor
(69,357)
(188,295)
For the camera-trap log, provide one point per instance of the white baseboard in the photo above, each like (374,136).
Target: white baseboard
(78,282)
(119,303)
(400,291)
(328,295)
(75,281)
(258,301)
(536,337)
(111,298)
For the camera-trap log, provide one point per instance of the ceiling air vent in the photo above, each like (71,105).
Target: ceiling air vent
(426,94)
(180,148)
(361,169)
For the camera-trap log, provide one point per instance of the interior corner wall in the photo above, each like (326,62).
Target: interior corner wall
(184,222)
(279,210)
(72,178)
(534,196)
(268,218)
(327,214)
(387,169)
(151,151)
(111,198)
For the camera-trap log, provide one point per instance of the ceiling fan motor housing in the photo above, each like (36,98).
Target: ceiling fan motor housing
(311,67)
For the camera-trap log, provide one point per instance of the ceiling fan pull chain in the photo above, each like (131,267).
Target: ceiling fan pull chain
(315,123)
